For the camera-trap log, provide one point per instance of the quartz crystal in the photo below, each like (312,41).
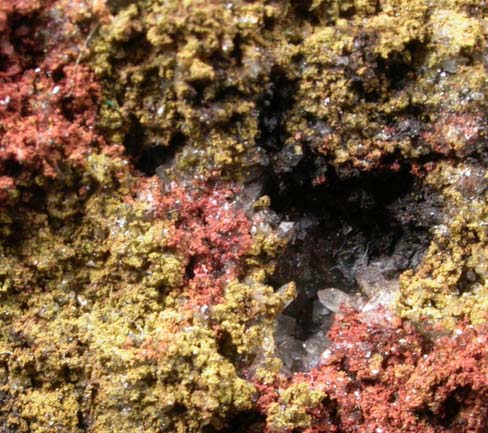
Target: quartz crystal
(333,299)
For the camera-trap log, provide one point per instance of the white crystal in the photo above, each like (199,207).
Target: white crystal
(314,348)
(333,298)
(319,312)
(291,352)
(381,299)
(285,326)
(285,228)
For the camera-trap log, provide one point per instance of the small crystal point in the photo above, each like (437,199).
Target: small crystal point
(319,312)
(333,298)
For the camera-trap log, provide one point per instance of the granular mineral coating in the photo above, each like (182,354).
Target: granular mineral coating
(265,216)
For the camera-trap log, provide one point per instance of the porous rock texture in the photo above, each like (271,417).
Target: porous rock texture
(243,216)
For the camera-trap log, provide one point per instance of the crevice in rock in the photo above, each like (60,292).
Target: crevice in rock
(147,159)
(276,100)
(354,235)
(301,9)
(251,421)
(226,346)
(115,6)
(399,68)
(26,39)
(447,416)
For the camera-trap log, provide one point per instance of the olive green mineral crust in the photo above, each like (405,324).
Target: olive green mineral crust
(94,320)
(292,409)
(450,284)
(343,78)
(346,80)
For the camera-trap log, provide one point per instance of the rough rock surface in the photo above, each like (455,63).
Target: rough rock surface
(243,216)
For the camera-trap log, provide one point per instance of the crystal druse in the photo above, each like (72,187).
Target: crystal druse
(243,216)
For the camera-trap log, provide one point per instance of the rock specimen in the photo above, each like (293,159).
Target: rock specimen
(243,216)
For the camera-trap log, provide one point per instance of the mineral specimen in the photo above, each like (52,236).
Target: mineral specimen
(243,216)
